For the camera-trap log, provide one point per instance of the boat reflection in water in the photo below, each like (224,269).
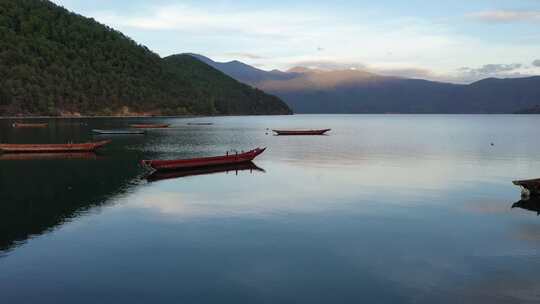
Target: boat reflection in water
(531,204)
(46,156)
(162,175)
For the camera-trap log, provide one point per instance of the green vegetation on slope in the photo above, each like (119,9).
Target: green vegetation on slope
(225,94)
(53,62)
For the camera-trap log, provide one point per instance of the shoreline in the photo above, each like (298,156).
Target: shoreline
(133,116)
(87,117)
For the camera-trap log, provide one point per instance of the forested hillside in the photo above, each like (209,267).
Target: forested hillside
(54,62)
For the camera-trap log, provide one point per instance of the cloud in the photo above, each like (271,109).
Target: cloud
(406,72)
(536,63)
(489,69)
(504,16)
(239,55)
(513,70)
(328,65)
(194,19)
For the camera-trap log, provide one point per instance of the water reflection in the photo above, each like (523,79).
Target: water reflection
(45,156)
(531,204)
(376,208)
(41,191)
(233,168)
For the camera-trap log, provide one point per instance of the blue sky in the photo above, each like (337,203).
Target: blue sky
(459,41)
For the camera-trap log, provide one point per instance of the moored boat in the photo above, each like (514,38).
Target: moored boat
(30,125)
(124,132)
(227,159)
(52,148)
(301,132)
(149,126)
(529,187)
(200,123)
(161,175)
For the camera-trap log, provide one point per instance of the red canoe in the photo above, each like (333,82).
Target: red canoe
(30,125)
(149,126)
(227,159)
(301,132)
(52,148)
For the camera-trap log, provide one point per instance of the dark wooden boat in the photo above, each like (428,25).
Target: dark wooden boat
(30,125)
(52,148)
(301,132)
(161,175)
(48,156)
(529,187)
(200,123)
(227,159)
(149,126)
(123,132)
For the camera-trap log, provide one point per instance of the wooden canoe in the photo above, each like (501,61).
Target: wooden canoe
(123,132)
(52,148)
(200,123)
(30,125)
(227,159)
(529,187)
(149,126)
(301,132)
(161,175)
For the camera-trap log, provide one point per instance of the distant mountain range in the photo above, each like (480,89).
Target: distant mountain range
(55,62)
(356,91)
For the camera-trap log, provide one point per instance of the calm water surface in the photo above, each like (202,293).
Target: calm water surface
(386,209)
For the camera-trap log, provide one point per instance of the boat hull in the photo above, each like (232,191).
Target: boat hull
(301,132)
(529,187)
(52,148)
(229,159)
(30,125)
(121,132)
(149,126)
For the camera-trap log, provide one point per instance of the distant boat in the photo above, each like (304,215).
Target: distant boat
(30,125)
(112,132)
(52,148)
(161,175)
(149,126)
(200,123)
(227,159)
(301,132)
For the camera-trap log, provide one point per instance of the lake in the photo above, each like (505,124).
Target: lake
(385,209)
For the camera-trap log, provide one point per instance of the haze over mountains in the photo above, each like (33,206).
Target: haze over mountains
(356,91)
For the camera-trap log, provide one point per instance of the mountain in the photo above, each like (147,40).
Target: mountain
(54,62)
(532,110)
(355,91)
(245,73)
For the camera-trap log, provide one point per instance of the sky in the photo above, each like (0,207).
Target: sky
(458,41)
